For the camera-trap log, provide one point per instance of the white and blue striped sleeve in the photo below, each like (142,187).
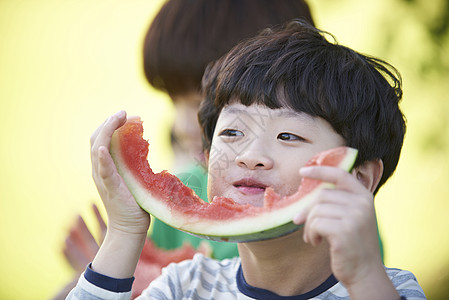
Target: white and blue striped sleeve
(93,285)
(406,284)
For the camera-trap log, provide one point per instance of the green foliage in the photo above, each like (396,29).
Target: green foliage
(416,35)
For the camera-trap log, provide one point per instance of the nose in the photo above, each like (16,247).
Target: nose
(254,158)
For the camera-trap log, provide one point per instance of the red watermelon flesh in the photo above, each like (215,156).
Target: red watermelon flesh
(168,199)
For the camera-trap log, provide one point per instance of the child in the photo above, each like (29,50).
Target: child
(272,103)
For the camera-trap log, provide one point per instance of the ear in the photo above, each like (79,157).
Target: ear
(369,173)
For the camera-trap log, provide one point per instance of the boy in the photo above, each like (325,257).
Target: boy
(272,103)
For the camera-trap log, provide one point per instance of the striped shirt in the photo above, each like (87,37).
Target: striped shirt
(206,278)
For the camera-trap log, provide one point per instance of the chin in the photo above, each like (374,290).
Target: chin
(254,200)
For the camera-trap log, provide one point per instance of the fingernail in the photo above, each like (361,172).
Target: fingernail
(298,219)
(304,237)
(304,171)
(120,114)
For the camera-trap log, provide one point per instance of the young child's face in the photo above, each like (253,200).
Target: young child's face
(186,130)
(255,147)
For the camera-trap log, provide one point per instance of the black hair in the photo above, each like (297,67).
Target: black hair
(188,34)
(295,66)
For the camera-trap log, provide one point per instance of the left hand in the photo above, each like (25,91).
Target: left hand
(80,245)
(345,217)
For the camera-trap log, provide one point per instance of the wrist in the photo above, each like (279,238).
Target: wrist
(132,232)
(119,253)
(375,284)
(129,226)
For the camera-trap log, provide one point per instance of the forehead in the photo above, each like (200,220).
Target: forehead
(264,113)
(190,99)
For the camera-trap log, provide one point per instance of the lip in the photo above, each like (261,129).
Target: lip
(249,186)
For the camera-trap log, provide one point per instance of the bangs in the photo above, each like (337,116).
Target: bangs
(275,77)
(250,87)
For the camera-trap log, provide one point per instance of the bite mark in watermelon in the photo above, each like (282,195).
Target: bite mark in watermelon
(165,197)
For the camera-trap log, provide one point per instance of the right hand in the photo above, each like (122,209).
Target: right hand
(124,214)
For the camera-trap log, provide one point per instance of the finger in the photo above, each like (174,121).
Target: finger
(93,151)
(77,240)
(318,213)
(98,137)
(104,135)
(119,116)
(327,210)
(320,228)
(113,123)
(337,199)
(87,238)
(94,135)
(339,177)
(75,256)
(300,217)
(101,223)
(108,172)
(112,184)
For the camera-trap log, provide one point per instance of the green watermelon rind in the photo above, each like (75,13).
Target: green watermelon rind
(266,225)
(254,236)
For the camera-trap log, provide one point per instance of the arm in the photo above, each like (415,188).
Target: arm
(111,273)
(345,218)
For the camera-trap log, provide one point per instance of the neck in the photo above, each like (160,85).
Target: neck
(286,265)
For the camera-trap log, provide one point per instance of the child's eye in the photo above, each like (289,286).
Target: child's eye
(231,133)
(285,136)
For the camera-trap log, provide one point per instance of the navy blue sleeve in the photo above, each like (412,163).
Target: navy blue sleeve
(108,283)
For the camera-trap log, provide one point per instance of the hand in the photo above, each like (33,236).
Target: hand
(345,218)
(101,224)
(124,214)
(80,245)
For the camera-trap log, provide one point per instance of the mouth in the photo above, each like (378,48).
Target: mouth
(250,186)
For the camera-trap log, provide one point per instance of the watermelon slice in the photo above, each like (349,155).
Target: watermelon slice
(165,197)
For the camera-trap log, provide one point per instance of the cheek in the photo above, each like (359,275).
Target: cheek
(291,185)
(220,159)
(215,186)
(218,164)
(289,178)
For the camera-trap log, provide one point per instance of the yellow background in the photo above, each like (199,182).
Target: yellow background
(67,65)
